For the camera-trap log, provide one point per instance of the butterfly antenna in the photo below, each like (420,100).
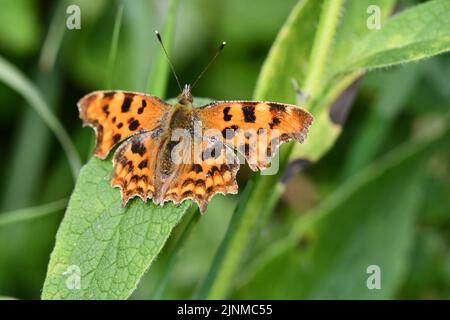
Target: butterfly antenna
(158,36)
(222,45)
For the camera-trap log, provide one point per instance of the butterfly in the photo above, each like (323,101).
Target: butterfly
(145,164)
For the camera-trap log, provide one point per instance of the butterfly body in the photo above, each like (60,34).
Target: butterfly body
(166,152)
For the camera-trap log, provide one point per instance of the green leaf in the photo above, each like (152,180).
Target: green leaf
(111,245)
(286,59)
(329,250)
(419,32)
(351,30)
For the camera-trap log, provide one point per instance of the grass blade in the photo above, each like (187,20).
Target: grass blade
(11,76)
(26,214)
(54,38)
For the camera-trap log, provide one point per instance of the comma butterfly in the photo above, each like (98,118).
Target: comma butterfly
(157,157)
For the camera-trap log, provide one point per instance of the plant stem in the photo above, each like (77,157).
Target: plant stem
(253,207)
(323,41)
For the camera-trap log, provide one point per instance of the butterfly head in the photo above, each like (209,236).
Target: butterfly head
(185,96)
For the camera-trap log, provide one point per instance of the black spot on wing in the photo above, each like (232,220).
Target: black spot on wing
(116,137)
(275,122)
(142,164)
(106,109)
(213,170)
(187,182)
(140,190)
(134,125)
(141,109)
(188,193)
(109,94)
(130,166)
(249,113)
(197,168)
(226,115)
(223,168)
(137,147)
(200,182)
(228,132)
(277,107)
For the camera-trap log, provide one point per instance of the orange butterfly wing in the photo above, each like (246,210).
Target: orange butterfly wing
(214,171)
(135,165)
(138,170)
(256,129)
(116,115)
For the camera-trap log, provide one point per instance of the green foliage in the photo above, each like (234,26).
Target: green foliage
(324,90)
(414,34)
(19,27)
(113,246)
(327,254)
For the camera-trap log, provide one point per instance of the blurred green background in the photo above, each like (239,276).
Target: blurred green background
(391,106)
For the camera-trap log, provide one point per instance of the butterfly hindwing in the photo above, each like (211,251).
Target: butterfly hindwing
(116,115)
(135,163)
(213,170)
(256,129)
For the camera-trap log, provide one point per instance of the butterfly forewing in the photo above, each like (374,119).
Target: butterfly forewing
(254,128)
(116,115)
